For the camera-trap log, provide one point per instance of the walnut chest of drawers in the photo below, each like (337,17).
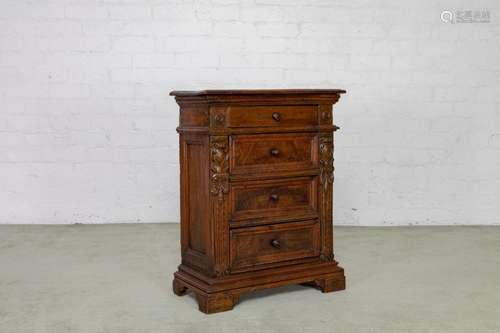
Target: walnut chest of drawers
(256,192)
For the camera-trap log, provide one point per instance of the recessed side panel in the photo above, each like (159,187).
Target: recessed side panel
(195,200)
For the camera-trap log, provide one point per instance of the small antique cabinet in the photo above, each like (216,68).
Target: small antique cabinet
(256,192)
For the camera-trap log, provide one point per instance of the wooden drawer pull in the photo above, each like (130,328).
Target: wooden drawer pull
(274,197)
(274,152)
(276,244)
(276,116)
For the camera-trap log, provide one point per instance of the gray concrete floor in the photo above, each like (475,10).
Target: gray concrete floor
(117,278)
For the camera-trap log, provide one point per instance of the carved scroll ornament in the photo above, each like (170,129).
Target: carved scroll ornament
(219,166)
(326,161)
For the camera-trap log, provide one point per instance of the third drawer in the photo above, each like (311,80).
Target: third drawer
(271,199)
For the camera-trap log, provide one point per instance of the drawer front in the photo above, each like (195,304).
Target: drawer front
(273,152)
(273,198)
(254,246)
(272,116)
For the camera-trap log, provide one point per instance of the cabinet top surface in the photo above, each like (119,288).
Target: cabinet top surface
(247,92)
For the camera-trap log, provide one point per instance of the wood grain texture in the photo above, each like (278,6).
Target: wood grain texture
(274,198)
(272,152)
(256,193)
(254,246)
(273,116)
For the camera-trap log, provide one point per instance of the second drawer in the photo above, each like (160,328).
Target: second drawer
(273,153)
(273,198)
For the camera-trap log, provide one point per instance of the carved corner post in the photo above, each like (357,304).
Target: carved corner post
(219,189)
(326,194)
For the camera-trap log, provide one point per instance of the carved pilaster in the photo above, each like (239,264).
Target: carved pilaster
(325,195)
(219,188)
(326,160)
(219,166)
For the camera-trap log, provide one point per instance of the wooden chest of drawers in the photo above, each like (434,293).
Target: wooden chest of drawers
(256,193)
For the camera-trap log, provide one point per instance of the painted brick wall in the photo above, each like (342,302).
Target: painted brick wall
(87,129)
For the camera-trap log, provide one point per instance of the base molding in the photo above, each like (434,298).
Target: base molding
(327,285)
(221,294)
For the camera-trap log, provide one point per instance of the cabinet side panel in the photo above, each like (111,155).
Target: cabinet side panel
(195,222)
(197,197)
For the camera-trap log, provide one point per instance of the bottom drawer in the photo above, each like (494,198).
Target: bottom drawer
(274,243)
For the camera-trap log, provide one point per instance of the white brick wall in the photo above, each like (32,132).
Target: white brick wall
(87,129)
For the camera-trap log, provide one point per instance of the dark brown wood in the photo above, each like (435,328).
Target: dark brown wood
(327,284)
(275,198)
(256,193)
(251,247)
(254,153)
(179,288)
(272,116)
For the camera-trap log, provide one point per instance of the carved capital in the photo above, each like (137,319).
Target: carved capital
(219,166)
(326,160)
(217,117)
(326,116)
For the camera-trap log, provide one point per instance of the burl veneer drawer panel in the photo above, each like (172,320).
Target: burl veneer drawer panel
(273,116)
(272,152)
(273,198)
(254,246)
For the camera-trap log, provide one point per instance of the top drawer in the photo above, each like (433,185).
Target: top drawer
(272,116)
